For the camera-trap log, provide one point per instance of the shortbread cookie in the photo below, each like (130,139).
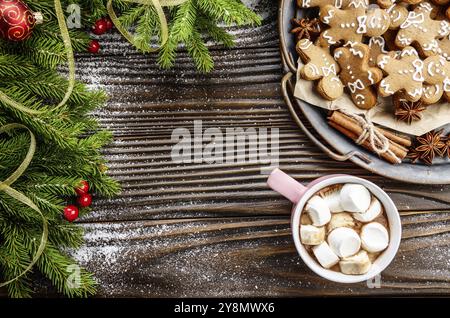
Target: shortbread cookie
(404,72)
(436,72)
(320,65)
(351,24)
(357,75)
(342,4)
(422,31)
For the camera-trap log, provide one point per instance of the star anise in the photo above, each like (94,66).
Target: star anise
(430,145)
(306,28)
(413,155)
(446,149)
(408,111)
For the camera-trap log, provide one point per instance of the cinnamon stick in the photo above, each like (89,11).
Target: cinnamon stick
(366,144)
(404,141)
(352,126)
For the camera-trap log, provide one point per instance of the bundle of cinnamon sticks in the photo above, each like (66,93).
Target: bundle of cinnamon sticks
(398,144)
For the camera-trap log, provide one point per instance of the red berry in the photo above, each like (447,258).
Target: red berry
(94,46)
(71,213)
(83,188)
(84,200)
(100,27)
(109,23)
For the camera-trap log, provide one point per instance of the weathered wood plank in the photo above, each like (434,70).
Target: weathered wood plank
(247,257)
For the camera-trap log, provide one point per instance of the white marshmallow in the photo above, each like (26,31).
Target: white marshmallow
(312,235)
(374,237)
(356,264)
(342,219)
(318,211)
(326,257)
(355,198)
(333,200)
(372,212)
(344,241)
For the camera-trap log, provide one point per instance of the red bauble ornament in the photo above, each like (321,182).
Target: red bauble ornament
(71,213)
(84,200)
(94,46)
(109,23)
(83,188)
(16,20)
(100,27)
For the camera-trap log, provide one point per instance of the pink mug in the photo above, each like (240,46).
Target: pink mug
(299,194)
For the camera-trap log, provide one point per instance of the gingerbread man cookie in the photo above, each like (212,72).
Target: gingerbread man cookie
(377,46)
(320,65)
(351,24)
(388,3)
(357,75)
(444,45)
(398,14)
(404,71)
(421,30)
(436,72)
(341,4)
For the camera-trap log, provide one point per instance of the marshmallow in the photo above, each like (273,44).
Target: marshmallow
(374,237)
(355,198)
(356,264)
(340,220)
(344,241)
(326,257)
(372,212)
(312,235)
(318,211)
(334,201)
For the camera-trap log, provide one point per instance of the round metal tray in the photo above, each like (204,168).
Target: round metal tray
(344,148)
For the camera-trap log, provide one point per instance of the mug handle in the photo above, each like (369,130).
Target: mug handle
(286,185)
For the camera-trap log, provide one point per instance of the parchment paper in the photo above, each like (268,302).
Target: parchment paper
(433,116)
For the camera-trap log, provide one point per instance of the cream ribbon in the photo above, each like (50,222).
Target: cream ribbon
(5,186)
(158,5)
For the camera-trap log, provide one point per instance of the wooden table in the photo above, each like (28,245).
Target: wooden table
(196,230)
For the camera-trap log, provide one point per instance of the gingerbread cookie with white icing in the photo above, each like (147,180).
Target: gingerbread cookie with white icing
(357,75)
(398,14)
(444,46)
(341,4)
(377,46)
(404,74)
(351,24)
(321,66)
(388,3)
(436,73)
(421,30)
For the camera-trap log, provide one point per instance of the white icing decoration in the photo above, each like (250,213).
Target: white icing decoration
(338,54)
(327,18)
(403,40)
(446,84)
(418,68)
(362,27)
(416,92)
(338,3)
(360,99)
(329,70)
(430,69)
(356,85)
(382,63)
(357,52)
(306,3)
(305,44)
(426,6)
(414,19)
(378,40)
(328,37)
(314,69)
(408,52)
(372,81)
(386,87)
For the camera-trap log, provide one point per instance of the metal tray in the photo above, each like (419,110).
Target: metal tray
(342,147)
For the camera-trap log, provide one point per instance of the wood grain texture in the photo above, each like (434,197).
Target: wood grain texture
(216,229)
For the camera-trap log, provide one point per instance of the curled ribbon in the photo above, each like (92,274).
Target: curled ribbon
(158,5)
(71,66)
(5,186)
